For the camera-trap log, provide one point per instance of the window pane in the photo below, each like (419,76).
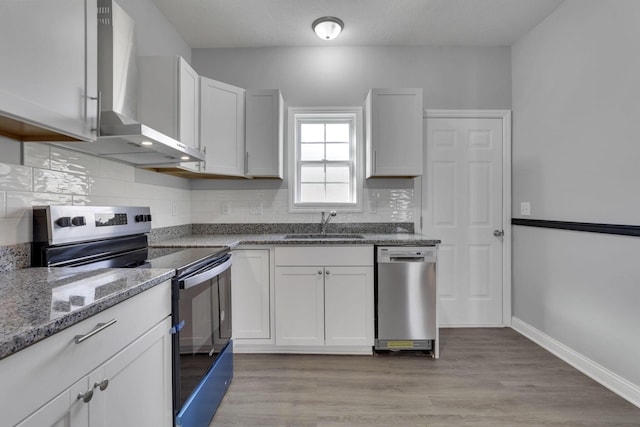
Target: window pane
(312,132)
(311,152)
(338,193)
(338,152)
(337,132)
(337,173)
(312,193)
(312,173)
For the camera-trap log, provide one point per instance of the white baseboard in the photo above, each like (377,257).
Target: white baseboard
(598,373)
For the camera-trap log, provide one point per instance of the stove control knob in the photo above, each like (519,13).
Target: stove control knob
(139,218)
(78,220)
(64,221)
(147,218)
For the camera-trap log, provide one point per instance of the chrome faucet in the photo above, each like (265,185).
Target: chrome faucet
(325,221)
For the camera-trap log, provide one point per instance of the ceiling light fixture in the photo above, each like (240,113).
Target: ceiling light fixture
(327,27)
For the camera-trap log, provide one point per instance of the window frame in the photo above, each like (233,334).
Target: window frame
(298,115)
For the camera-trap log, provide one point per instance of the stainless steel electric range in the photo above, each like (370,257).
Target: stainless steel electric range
(92,237)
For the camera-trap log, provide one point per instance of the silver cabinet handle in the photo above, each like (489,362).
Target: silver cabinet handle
(99,110)
(102,384)
(85,397)
(99,328)
(202,166)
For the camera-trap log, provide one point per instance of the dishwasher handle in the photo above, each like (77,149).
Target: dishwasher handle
(395,255)
(406,259)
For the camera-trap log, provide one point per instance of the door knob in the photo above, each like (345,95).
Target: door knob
(498,233)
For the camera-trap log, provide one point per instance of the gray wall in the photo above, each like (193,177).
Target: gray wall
(339,76)
(575,158)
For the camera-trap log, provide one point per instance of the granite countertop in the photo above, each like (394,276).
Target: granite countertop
(35,303)
(233,240)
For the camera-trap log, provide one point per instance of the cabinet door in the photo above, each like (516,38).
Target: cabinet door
(394,132)
(189,104)
(250,294)
(299,294)
(264,133)
(348,297)
(133,388)
(222,127)
(169,99)
(64,410)
(49,65)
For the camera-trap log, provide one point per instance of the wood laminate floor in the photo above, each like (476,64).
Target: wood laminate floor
(484,377)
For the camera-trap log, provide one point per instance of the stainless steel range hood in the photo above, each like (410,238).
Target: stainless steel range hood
(121,136)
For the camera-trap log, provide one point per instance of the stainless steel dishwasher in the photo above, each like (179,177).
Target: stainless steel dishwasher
(406,298)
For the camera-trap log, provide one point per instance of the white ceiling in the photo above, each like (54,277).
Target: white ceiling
(260,23)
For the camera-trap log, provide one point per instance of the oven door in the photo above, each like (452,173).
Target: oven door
(202,348)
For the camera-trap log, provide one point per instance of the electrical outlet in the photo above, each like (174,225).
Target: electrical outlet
(174,208)
(226,208)
(525,208)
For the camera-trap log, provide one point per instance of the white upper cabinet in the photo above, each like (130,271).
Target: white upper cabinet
(394,133)
(264,113)
(222,128)
(169,99)
(48,77)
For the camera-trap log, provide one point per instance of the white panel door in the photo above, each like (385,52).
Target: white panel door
(462,206)
(222,127)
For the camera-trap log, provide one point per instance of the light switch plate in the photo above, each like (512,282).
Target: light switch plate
(525,208)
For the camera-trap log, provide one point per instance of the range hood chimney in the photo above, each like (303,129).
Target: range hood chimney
(121,136)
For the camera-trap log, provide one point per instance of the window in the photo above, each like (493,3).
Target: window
(325,159)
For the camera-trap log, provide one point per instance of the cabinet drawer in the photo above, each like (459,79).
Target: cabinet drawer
(324,255)
(38,373)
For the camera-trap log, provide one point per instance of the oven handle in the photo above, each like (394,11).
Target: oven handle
(205,275)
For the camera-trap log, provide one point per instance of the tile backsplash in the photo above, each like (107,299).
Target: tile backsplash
(271,206)
(54,175)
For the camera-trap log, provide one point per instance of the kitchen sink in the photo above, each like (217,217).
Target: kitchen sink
(324,236)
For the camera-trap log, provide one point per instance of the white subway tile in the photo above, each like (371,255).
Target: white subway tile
(14,231)
(3,204)
(19,204)
(48,181)
(36,154)
(72,161)
(15,177)
(116,170)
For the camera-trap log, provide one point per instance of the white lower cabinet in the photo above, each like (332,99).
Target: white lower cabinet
(327,303)
(120,376)
(251,295)
(132,389)
(322,305)
(348,306)
(299,306)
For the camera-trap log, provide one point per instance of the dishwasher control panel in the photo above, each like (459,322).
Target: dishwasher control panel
(406,253)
